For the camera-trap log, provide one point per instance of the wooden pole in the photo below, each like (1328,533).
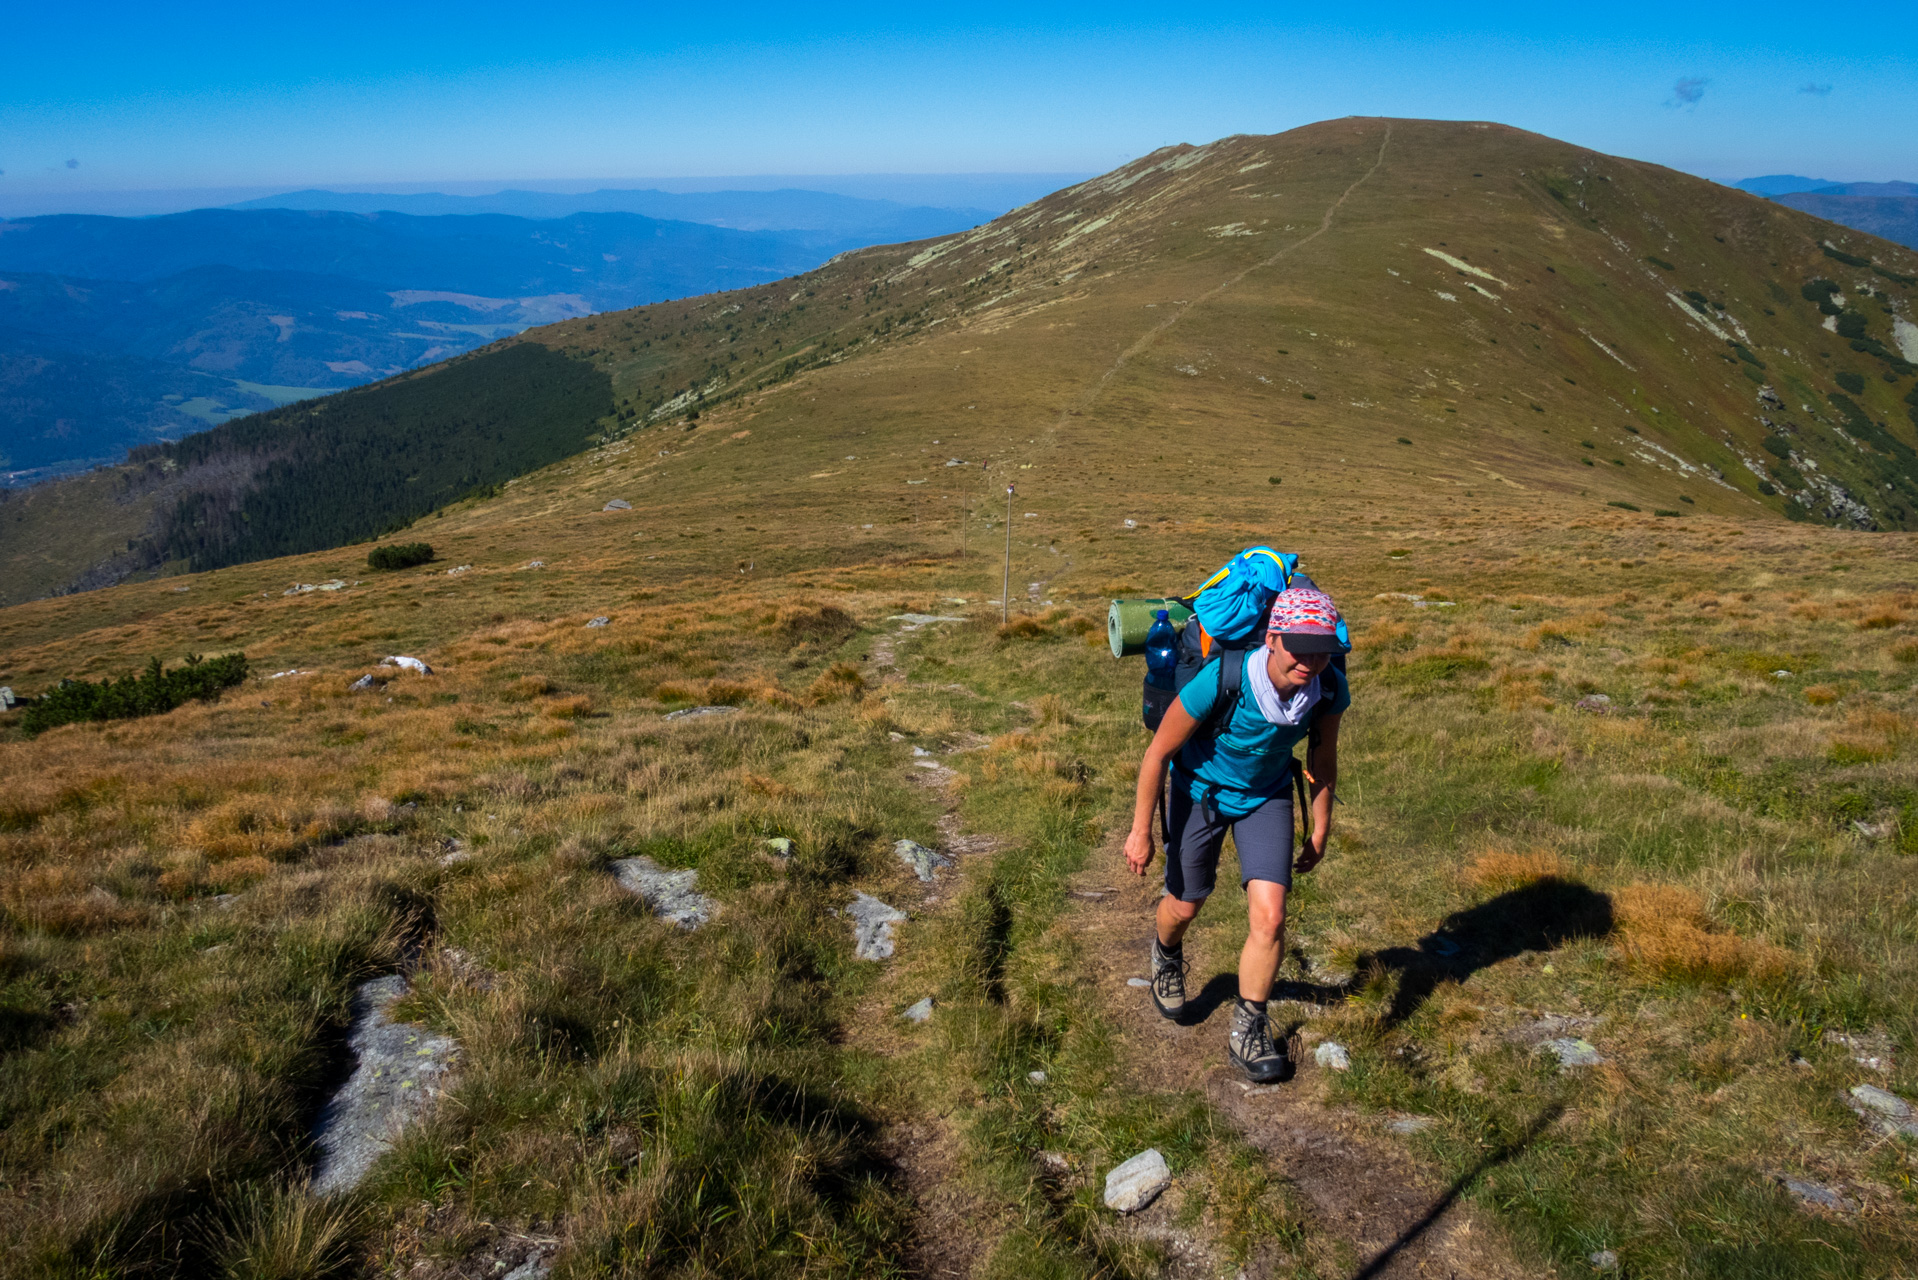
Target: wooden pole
(1005,590)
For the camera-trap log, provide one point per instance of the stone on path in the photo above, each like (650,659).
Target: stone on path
(1137,1183)
(920,1011)
(674,895)
(1883,1110)
(398,1071)
(1574,1052)
(693,713)
(914,621)
(1138,982)
(1332,1056)
(1815,1194)
(922,860)
(872,922)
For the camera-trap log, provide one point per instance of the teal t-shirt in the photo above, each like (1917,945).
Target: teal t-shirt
(1247,762)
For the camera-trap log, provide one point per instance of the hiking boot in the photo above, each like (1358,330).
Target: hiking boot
(1168,981)
(1251,1046)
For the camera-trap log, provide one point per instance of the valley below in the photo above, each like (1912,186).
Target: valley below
(732,892)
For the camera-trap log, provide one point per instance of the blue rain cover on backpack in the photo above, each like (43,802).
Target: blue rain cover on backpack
(1235,601)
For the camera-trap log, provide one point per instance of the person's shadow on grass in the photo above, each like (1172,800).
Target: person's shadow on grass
(1541,916)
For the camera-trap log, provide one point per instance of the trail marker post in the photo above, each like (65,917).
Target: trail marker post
(1005,589)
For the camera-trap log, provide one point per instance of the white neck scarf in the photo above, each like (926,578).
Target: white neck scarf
(1278,708)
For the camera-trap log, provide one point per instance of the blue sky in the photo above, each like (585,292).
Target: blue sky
(146,96)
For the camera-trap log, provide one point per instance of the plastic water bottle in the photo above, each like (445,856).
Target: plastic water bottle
(1161,652)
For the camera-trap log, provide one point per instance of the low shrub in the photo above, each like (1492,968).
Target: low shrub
(1776,445)
(1666,514)
(1818,290)
(151,693)
(1767,488)
(1849,259)
(1852,382)
(1622,506)
(1403,440)
(1659,262)
(399,555)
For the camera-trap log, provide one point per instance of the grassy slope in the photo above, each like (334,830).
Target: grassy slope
(719,1103)
(1033,319)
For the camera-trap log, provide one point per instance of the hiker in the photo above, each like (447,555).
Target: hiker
(1230,746)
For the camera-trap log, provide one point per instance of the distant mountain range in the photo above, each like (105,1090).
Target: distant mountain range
(116,332)
(783,210)
(1886,209)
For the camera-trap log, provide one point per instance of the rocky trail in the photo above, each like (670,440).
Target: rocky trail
(1370,1204)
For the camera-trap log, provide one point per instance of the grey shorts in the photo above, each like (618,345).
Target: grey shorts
(1195,837)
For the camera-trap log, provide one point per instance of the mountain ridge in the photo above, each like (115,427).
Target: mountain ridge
(1477,294)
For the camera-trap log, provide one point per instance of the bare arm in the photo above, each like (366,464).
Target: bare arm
(1173,731)
(1322,781)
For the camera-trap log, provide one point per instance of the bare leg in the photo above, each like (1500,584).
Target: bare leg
(1264,939)
(1174,917)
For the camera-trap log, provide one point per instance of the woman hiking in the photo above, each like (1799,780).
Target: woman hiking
(1232,769)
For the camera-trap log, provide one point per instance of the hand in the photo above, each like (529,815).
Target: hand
(1138,851)
(1311,855)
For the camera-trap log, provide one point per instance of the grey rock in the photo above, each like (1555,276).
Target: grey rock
(872,922)
(1138,982)
(618,504)
(693,713)
(674,895)
(1596,703)
(1603,1260)
(1332,1056)
(921,1011)
(7,700)
(1547,1026)
(1574,1052)
(1405,1126)
(1037,1077)
(1884,1111)
(538,1266)
(914,621)
(1815,1194)
(1781,674)
(399,1069)
(1872,830)
(1137,1183)
(405,663)
(1872,1049)
(922,860)
(600,621)
(364,683)
(780,847)
(455,857)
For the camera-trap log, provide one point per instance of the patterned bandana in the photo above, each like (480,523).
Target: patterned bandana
(1304,611)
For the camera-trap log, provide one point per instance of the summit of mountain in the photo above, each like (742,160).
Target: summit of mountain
(1349,309)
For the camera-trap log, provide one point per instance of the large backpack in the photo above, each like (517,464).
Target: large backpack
(1231,611)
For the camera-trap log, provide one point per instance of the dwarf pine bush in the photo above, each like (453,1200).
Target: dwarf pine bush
(399,555)
(152,693)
